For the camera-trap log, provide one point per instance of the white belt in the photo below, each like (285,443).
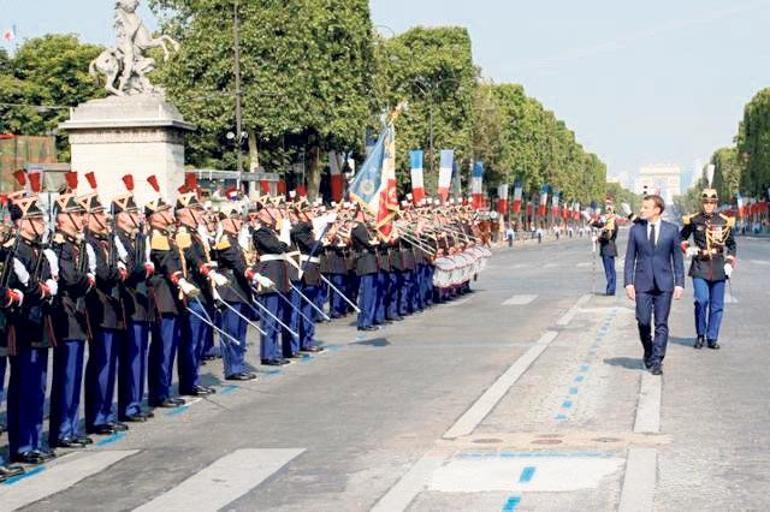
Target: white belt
(271,257)
(311,259)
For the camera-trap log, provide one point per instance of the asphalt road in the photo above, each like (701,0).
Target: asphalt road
(527,394)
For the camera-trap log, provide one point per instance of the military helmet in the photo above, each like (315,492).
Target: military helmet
(709,194)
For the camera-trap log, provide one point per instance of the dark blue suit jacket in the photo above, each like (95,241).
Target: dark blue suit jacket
(646,269)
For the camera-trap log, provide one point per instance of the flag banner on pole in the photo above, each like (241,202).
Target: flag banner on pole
(543,200)
(336,177)
(741,207)
(517,189)
(530,209)
(418,188)
(457,185)
(555,204)
(445,173)
(502,199)
(477,181)
(374,186)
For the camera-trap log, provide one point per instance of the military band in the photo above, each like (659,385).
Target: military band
(144,288)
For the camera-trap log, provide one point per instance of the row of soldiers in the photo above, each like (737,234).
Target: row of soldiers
(144,287)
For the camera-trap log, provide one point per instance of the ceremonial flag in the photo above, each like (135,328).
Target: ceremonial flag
(477,181)
(457,184)
(517,195)
(555,204)
(445,173)
(374,186)
(530,209)
(418,188)
(543,200)
(337,179)
(741,207)
(502,199)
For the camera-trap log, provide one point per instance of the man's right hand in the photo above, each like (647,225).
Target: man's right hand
(631,292)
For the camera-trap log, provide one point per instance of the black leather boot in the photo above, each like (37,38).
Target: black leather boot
(699,342)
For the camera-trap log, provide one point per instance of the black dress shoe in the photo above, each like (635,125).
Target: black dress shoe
(101,430)
(369,328)
(656,370)
(69,442)
(168,403)
(647,363)
(134,418)
(699,341)
(27,458)
(119,426)
(272,362)
(199,391)
(396,318)
(84,440)
(713,345)
(313,349)
(7,472)
(243,376)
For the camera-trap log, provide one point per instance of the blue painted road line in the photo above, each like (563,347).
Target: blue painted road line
(566,404)
(573,391)
(178,410)
(526,474)
(113,438)
(560,417)
(579,378)
(511,503)
(32,472)
(507,454)
(230,388)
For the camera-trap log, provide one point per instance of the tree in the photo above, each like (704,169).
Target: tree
(306,72)
(754,145)
(727,172)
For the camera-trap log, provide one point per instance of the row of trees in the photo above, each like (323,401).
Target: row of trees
(316,75)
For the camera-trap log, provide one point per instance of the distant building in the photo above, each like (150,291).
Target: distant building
(663,179)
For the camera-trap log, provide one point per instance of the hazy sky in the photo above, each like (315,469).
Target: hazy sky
(641,82)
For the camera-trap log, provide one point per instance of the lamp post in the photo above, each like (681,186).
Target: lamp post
(428,91)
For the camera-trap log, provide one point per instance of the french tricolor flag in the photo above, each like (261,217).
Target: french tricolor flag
(445,173)
(502,199)
(418,188)
(517,189)
(543,201)
(477,183)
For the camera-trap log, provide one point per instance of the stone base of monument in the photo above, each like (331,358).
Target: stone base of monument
(141,135)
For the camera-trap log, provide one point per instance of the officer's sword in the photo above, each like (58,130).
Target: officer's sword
(274,317)
(210,324)
(344,297)
(245,319)
(302,295)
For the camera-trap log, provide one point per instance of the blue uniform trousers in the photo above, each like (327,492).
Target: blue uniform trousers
(101,371)
(428,285)
(160,362)
(26,399)
(609,273)
(337,305)
(65,391)
(404,293)
(3,363)
(193,333)
(354,286)
(290,344)
(366,300)
(394,279)
(268,344)
(657,303)
(417,304)
(320,301)
(380,298)
(307,329)
(709,306)
(233,354)
(132,368)
(208,348)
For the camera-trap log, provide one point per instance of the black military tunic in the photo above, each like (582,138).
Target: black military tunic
(197,258)
(104,302)
(271,265)
(302,237)
(167,258)
(70,322)
(366,252)
(135,289)
(710,261)
(607,237)
(232,265)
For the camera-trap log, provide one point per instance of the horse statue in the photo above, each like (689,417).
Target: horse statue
(126,65)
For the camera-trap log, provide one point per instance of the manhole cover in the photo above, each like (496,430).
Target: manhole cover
(606,440)
(546,441)
(487,441)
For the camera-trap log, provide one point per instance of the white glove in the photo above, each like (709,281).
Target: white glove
(691,251)
(626,208)
(728,270)
(53,286)
(188,288)
(217,278)
(263,281)
(21,271)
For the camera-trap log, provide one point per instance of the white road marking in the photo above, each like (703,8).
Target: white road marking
(585,264)
(760,262)
(551,265)
(638,490)
(553,474)
(458,302)
(411,484)
(468,422)
(519,300)
(58,476)
(648,410)
(570,314)
(223,481)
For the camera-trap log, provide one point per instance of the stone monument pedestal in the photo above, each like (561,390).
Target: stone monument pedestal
(141,135)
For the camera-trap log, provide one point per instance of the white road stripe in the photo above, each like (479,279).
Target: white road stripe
(760,262)
(458,302)
(639,482)
(223,481)
(570,314)
(519,300)
(468,422)
(648,410)
(57,476)
(411,484)
(585,264)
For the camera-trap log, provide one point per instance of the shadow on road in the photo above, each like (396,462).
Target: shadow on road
(685,342)
(374,342)
(629,363)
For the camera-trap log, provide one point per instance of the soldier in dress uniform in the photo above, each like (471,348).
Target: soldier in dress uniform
(106,317)
(201,270)
(608,233)
(335,250)
(70,323)
(365,250)
(713,260)
(32,286)
(132,251)
(169,288)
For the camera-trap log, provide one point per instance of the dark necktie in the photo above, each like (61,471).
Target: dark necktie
(652,236)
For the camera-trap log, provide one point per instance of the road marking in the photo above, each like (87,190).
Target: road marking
(584,265)
(570,314)
(224,481)
(519,300)
(760,262)
(411,484)
(551,265)
(638,490)
(511,503)
(554,474)
(57,476)
(648,410)
(526,474)
(468,422)
(459,302)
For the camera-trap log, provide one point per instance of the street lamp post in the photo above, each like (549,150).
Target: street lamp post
(428,91)
(238,92)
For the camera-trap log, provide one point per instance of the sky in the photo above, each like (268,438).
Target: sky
(639,83)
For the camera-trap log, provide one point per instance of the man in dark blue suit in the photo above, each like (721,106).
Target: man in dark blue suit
(654,272)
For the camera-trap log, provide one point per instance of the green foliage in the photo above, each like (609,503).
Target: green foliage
(48,70)
(753,145)
(727,173)
(623,195)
